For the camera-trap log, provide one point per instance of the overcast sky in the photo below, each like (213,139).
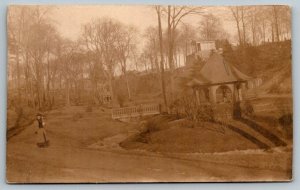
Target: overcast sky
(69,19)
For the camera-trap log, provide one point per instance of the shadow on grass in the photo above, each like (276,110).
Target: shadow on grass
(264,132)
(245,135)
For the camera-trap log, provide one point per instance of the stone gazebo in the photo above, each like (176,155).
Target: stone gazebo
(218,83)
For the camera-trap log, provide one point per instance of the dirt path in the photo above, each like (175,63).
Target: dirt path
(57,164)
(84,149)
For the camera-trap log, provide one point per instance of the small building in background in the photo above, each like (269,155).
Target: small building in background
(214,80)
(201,51)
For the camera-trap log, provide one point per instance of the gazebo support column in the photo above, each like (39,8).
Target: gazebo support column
(238,93)
(232,88)
(237,97)
(242,90)
(212,94)
(197,96)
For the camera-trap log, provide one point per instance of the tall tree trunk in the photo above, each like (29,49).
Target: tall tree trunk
(126,79)
(236,16)
(67,92)
(244,26)
(53,82)
(264,31)
(48,98)
(128,88)
(276,24)
(253,28)
(163,86)
(28,86)
(38,81)
(94,92)
(170,56)
(155,56)
(171,51)
(272,28)
(110,76)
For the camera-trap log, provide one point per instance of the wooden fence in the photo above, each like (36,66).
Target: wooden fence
(135,111)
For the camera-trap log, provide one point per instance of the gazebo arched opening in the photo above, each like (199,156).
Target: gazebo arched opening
(223,94)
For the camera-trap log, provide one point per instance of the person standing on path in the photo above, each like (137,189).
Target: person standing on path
(42,140)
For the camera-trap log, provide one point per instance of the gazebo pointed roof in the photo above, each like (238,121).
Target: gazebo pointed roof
(217,71)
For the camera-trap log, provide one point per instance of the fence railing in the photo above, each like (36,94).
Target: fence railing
(135,111)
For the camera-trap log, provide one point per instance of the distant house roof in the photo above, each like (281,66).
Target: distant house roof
(215,71)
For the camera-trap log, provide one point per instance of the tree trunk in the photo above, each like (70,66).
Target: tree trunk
(161,56)
(275,11)
(244,27)
(237,20)
(110,75)
(67,92)
(126,79)
(38,81)
(27,83)
(128,88)
(171,31)
(264,31)
(272,27)
(48,81)
(253,28)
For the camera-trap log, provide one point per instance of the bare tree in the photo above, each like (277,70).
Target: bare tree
(15,32)
(253,14)
(32,35)
(100,38)
(238,13)
(126,44)
(175,15)
(262,23)
(158,12)
(210,27)
(151,47)
(66,68)
(280,21)
(275,13)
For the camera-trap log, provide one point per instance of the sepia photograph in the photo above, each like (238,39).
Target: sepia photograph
(149,93)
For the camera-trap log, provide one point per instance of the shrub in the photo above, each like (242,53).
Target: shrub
(157,123)
(237,111)
(188,107)
(205,113)
(247,108)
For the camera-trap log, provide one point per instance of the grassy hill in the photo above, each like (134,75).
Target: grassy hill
(270,61)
